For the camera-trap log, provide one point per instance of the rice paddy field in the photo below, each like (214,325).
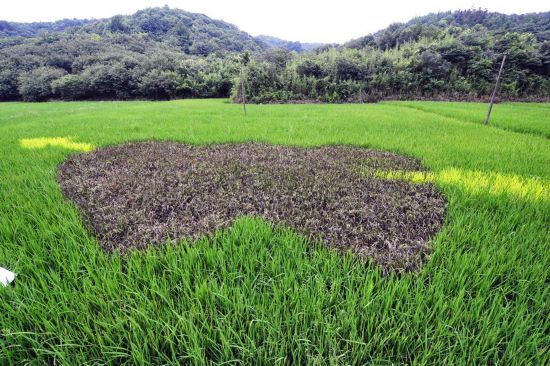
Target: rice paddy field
(257,293)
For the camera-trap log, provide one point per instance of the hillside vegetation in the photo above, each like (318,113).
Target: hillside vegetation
(440,56)
(155,53)
(163,53)
(28,30)
(191,33)
(299,47)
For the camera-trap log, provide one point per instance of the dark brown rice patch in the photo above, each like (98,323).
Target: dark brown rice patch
(144,193)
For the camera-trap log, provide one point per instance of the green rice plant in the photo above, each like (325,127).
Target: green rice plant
(520,117)
(258,294)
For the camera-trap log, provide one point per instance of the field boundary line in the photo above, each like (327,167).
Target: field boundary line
(532,133)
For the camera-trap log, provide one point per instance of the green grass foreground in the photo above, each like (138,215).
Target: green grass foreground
(263,295)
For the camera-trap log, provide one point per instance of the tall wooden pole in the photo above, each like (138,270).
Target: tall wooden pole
(495,91)
(243,92)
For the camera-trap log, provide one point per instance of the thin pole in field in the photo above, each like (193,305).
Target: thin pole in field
(243,92)
(495,91)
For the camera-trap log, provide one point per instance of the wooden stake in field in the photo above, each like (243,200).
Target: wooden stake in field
(495,90)
(243,93)
(244,61)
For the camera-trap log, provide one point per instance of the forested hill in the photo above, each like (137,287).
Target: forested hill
(163,53)
(156,53)
(299,47)
(188,32)
(28,30)
(445,56)
(537,24)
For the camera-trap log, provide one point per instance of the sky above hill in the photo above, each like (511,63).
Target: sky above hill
(295,20)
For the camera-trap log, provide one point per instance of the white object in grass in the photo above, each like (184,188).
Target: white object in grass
(6,277)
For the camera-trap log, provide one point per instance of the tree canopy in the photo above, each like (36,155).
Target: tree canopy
(451,55)
(163,53)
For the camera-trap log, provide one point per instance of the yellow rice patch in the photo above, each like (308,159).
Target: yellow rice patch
(479,182)
(64,142)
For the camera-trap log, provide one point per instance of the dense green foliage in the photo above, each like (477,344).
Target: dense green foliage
(156,53)
(27,30)
(441,56)
(264,295)
(519,117)
(295,46)
(535,23)
(192,33)
(163,53)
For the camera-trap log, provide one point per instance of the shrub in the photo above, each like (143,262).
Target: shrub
(158,84)
(36,86)
(70,87)
(8,82)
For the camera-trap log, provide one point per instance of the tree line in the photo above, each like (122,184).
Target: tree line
(446,66)
(164,53)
